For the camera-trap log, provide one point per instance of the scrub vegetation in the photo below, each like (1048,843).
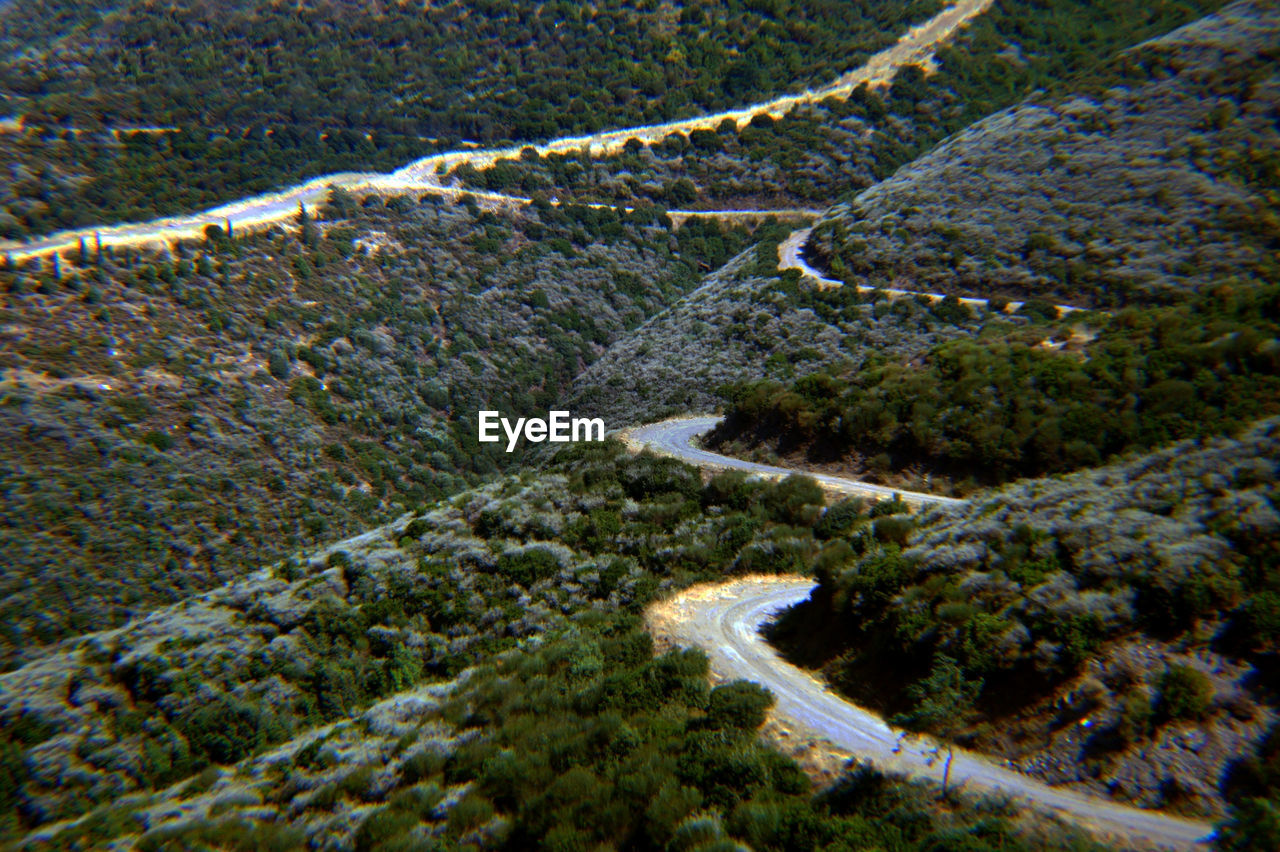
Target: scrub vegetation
(130,114)
(1111,628)
(174,420)
(978,412)
(476,673)
(264,589)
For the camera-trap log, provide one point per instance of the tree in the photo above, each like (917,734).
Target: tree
(1253,824)
(1185,693)
(278,364)
(941,703)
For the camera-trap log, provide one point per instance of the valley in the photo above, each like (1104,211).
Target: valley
(938,506)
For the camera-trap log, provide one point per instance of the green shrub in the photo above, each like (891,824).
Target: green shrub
(739,704)
(232,835)
(527,567)
(894,529)
(648,476)
(278,364)
(416,528)
(226,730)
(472,812)
(383,826)
(840,518)
(1183,693)
(795,500)
(731,488)
(160,440)
(422,765)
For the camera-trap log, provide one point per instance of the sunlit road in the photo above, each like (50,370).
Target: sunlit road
(426,175)
(675,438)
(725,621)
(791,256)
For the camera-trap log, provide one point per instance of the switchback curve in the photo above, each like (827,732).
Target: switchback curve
(725,620)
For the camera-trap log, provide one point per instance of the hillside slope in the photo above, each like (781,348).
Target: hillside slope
(241,397)
(820,152)
(744,322)
(1115,626)
(1157,174)
(217,100)
(322,704)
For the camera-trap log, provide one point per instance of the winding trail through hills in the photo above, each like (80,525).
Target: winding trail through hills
(791,256)
(675,438)
(725,620)
(916,46)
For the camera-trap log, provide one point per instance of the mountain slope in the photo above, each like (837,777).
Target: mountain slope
(1156,175)
(744,322)
(170,419)
(218,100)
(1067,604)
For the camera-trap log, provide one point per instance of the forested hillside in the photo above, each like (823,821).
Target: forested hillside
(564,712)
(171,421)
(1155,173)
(1113,628)
(1022,401)
(819,153)
(264,589)
(259,93)
(747,322)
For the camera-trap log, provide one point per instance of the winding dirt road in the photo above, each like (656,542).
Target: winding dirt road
(725,621)
(676,438)
(425,175)
(791,256)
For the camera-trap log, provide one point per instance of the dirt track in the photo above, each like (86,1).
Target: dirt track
(424,175)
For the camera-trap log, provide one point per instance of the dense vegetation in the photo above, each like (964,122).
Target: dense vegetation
(1090,194)
(747,321)
(264,93)
(474,673)
(983,411)
(571,728)
(594,740)
(174,420)
(820,152)
(1083,623)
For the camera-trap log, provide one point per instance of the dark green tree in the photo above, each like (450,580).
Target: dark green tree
(942,702)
